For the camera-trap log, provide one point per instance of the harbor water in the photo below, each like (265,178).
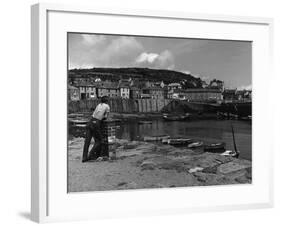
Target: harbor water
(208,131)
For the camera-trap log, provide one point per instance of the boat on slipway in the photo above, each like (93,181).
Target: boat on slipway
(195,144)
(230,153)
(156,138)
(78,122)
(177,141)
(176,117)
(215,147)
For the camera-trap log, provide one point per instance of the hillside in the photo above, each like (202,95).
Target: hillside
(114,74)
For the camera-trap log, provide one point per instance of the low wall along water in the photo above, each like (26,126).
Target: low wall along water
(120,105)
(160,105)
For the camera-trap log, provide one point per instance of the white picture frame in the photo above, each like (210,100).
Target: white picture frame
(49,200)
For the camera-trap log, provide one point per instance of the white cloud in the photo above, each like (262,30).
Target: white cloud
(164,60)
(147,58)
(120,49)
(92,40)
(89,51)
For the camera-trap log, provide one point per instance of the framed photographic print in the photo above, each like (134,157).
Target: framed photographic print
(143,112)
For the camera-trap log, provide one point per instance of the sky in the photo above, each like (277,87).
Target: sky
(230,61)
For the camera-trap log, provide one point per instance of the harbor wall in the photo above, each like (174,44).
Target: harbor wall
(121,105)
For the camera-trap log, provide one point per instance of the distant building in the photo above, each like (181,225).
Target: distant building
(87,90)
(173,86)
(73,93)
(109,89)
(244,95)
(135,93)
(198,94)
(145,96)
(165,89)
(124,91)
(216,84)
(97,79)
(154,92)
(159,84)
(229,94)
(204,84)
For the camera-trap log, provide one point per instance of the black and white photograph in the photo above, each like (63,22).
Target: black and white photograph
(147,112)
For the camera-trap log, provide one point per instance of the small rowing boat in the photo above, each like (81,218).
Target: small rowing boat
(156,138)
(195,144)
(78,121)
(230,153)
(176,117)
(215,147)
(178,141)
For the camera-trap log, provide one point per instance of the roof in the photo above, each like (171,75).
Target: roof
(174,84)
(108,85)
(86,84)
(154,88)
(229,91)
(197,90)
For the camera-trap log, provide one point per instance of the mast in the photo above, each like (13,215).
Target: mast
(234,143)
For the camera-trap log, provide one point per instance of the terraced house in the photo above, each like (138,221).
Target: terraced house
(198,94)
(87,90)
(109,89)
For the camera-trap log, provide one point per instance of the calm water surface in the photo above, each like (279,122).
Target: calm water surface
(204,130)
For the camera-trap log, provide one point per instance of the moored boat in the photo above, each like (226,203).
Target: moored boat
(179,141)
(215,147)
(78,121)
(156,138)
(176,117)
(195,144)
(230,153)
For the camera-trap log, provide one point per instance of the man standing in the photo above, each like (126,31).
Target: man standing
(93,129)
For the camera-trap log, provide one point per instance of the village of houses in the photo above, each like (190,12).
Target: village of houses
(212,92)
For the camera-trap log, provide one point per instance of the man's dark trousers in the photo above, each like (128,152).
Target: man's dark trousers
(93,130)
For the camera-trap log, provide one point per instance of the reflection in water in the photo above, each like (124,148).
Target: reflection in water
(205,130)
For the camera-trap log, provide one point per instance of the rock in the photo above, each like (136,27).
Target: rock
(147,165)
(211,169)
(122,184)
(232,167)
(243,180)
(201,177)
(172,165)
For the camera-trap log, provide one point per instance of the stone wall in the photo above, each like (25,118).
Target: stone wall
(120,105)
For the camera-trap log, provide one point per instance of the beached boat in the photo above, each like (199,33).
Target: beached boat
(195,144)
(78,121)
(179,141)
(156,138)
(176,117)
(215,147)
(230,153)
(75,115)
